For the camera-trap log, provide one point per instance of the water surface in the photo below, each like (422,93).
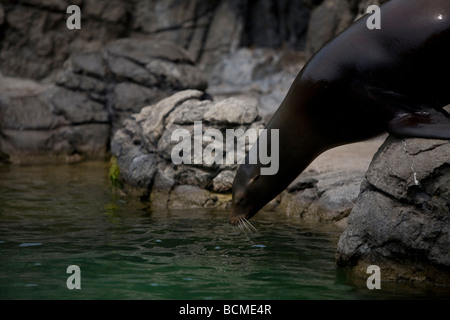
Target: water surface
(52,217)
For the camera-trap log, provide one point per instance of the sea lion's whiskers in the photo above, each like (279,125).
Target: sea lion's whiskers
(241,226)
(251,226)
(246,227)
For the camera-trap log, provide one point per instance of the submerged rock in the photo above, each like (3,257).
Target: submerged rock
(401,220)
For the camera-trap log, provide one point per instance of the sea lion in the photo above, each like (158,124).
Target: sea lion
(360,84)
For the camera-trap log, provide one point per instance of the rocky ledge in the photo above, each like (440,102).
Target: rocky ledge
(401,220)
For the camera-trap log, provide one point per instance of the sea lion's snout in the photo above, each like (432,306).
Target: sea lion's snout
(240,210)
(244,193)
(238,207)
(236,215)
(234,220)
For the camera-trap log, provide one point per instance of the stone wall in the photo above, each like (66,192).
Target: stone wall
(94,92)
(35,41)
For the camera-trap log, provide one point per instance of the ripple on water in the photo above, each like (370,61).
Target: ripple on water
(30,244)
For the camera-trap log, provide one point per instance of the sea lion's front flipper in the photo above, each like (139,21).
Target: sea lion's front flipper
(426,123)
(412,118)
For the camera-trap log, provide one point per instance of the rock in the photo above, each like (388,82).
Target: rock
(185,24)
(4,158)
(400,167)
(50,4)
(66,78)
(322,197)
(128,70)
(23,106)
(263,76)
(232,111)
(313,3)
(152,117)
(401,218)
(130,97)
(112,11)
(150,133)
(160,69)
(186,196)
(35,131)
(77,107)
(188,112)
(338,192)
(328,19)
(272,24)
(128,155)
(146,51)
(223,181)
(89,63)
(123,77)
(223,34)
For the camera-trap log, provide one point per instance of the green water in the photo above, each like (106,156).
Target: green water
(55,216)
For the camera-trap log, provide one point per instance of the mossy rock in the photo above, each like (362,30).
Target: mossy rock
(114,173)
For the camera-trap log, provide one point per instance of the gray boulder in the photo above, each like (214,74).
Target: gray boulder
(401,220)
(223,181)
(322,197)
(144,149)
(232,111)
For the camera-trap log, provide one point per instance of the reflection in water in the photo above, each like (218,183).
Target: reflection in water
(55,216)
